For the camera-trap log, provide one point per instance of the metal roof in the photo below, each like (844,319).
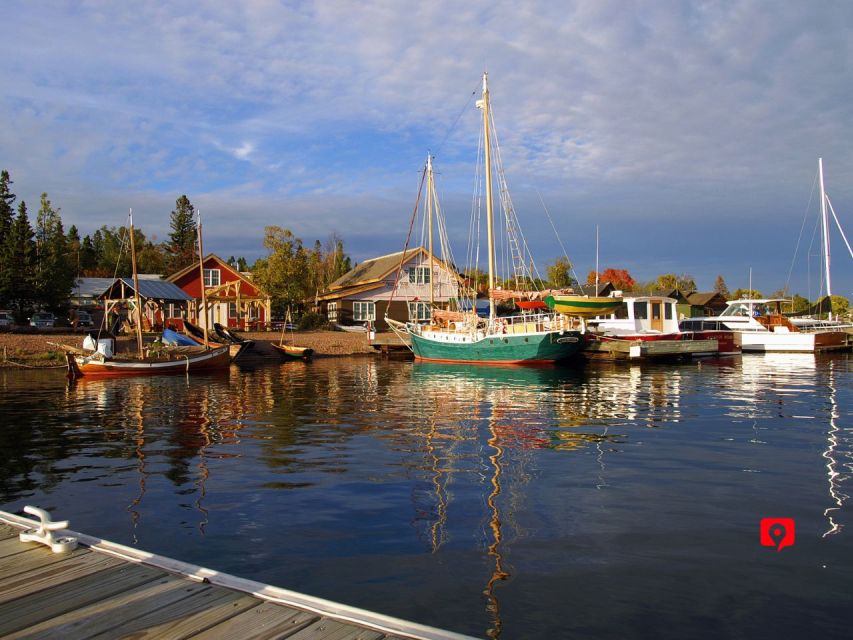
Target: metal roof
(91,286)
(154,289)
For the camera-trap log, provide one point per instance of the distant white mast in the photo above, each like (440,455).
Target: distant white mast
(596,259)
(825,225)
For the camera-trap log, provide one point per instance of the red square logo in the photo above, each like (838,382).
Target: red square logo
(778,532)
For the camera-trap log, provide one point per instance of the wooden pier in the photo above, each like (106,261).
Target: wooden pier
(648,349)
(106,590)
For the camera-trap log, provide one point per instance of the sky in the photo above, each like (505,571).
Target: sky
(687,132)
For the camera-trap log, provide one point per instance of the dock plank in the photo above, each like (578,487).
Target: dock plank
(30,558)
(328,629)
(190,626)
(13,546)
(67,602)
(264,622)
(104,618)
(7,532)
(80,563)
(162,611)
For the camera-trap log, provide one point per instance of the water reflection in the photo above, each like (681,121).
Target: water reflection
(494,484)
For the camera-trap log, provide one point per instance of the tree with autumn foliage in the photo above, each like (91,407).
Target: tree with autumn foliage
(619,278)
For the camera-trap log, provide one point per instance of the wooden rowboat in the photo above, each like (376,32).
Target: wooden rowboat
(294,353)
(176,361)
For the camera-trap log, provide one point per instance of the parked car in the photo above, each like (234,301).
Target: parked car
(6,319)
(80,318)
(42,319)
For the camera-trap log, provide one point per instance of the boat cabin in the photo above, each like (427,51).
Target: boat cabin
(641,314)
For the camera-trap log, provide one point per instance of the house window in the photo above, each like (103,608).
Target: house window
(419,311)
(174,311)
(332,312)
(232,309)
(211,278)
(253,312)
(363,311)
(419,275)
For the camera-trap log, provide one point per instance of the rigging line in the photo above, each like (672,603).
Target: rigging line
(408,237)
(838,224)
(557,235)
(456,121)
(799,238)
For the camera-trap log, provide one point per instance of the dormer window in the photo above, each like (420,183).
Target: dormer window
(419,275)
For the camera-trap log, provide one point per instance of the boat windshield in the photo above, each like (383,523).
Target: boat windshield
(747,309)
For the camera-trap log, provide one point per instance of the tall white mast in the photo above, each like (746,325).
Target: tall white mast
(429,203)
(487,152)
(825,226)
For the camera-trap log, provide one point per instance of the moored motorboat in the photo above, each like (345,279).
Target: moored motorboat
(581,305)
(762,326)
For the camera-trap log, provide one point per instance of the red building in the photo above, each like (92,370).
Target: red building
(233,300)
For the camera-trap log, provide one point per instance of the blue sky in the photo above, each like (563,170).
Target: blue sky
(688,132)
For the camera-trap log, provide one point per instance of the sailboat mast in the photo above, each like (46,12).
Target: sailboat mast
(136,287)
(825,225)
(596,259)
(487,152)
(203,292)
(429,204)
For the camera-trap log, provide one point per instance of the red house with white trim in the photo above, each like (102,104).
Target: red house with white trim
(233,300)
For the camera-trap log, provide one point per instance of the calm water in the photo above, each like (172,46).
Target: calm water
(610,501)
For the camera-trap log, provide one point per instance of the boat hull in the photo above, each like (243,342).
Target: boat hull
(79,366)
(289,352)
(583,305)
(796,342)
(546,348)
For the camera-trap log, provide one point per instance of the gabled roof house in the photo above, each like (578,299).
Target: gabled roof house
(367,292)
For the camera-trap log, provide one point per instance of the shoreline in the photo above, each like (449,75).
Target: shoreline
(33,350)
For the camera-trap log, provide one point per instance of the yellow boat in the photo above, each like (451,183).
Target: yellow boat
(579,305)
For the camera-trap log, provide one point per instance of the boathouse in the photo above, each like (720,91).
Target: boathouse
(706,304)
(161,301)
(369,290)
(233,299)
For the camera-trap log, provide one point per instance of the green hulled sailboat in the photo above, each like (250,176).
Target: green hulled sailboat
(531,337)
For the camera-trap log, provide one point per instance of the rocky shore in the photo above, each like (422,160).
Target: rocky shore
(40,350)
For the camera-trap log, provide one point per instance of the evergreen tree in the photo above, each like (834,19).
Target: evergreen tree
(54,276)
(19,249)
(75,248)
(721,288)
(7,218)
(181,248)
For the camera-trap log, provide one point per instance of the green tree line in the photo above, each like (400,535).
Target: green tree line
(40,262)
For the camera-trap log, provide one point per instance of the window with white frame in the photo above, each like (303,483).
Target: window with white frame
(174,311)
(419,311)
(232,309)
(332,311)
(419,275)
(252,312)
(211,278)
(363,311)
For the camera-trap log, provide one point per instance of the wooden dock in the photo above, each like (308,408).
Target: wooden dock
(387,341)
(648,349)
(107,590)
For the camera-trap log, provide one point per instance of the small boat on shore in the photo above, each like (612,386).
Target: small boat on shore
(294,353)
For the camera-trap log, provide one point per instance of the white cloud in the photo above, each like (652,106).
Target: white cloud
(645,115)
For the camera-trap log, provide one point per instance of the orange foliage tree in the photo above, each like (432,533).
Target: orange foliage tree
(619,278)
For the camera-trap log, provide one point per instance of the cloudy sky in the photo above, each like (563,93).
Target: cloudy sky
(688,132)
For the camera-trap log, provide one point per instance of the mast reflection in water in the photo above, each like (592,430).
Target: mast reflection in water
(500,502)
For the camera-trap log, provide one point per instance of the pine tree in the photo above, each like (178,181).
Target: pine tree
(721,288)
(7,219)
(19,251)
(55,277)
(181,247)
